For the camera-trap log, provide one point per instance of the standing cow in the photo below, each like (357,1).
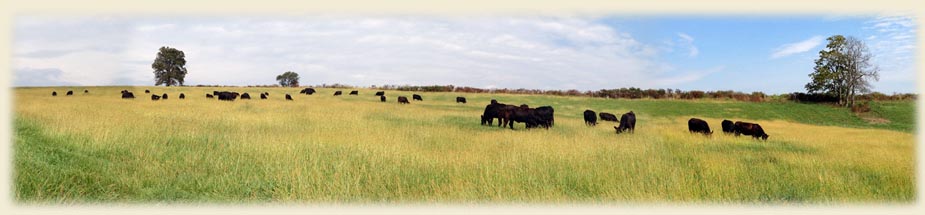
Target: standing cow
(380,93)
(590,118)
(750,129)
(627,123)
(70,93)
(155,97)
(417,97)
(147,91)
(164,96)
(546,116)
(86,91)
(728,126)
(245,96)
(288,97)
(355,92)
(608,117)
(382,98)
(127,95)
(403,100)
(695,125)
(263,96)
(461,99)
(337,93)
(53,93)
(182,96)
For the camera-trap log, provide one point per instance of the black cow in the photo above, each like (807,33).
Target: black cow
(263,96)
(182,96)
(53,93)
(86,91)
(608,117)
(70,93)
(288,97)
(147,91)
(380,93)
(728,127)
(382,98)
(307,91)
(227,96)
(590,118)
(128,95)
(403,100)
(164,96)
(750,129)
(627,123)
(209,96)
(337,93)
(417,97)
(695,125)
(546,116)
(354,92)
(245,96)
(461,99)
(525,115)
(155,97)
(491,112)
(494,101)
(266,93)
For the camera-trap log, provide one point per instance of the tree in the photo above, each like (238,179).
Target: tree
(169,67)
(288,79)
(843,70)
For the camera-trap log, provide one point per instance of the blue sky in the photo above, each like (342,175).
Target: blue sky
(772,54)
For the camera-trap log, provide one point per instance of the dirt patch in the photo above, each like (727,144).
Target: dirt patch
(875,120)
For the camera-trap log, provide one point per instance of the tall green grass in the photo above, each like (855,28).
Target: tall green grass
(321,148)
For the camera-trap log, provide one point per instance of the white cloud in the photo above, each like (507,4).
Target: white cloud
(688,42)
(798,47)
(893,43)
(525,52)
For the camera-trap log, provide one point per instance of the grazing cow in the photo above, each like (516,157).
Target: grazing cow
(728,126)
(307,91)
(288,97)
(155,97)
(266,93)
(215,93)
(337,93)
(53,93)
(124,91)
(227,96)
(750,129)
(164,96)
(546,116)
(209,96)
(627,123)
(494,101)
(461,99)
(608,117)
(382,98)
(695,125)
(380,93)
(86,91)
(182,96)
(525,115)
(590,118)
(147,91)
(417,97)
(70,93)
(354,92)
(491,112)
(245,96)
(263,96)
(127,95)
(403,100)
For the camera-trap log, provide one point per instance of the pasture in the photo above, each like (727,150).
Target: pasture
(320,148)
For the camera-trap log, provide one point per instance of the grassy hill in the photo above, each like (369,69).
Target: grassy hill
(320,148)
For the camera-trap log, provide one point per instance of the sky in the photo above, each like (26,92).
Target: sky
(771,54)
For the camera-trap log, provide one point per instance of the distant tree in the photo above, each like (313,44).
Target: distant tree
(169,67)
(288,79)
(844,69)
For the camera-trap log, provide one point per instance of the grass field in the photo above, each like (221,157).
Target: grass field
(355,149)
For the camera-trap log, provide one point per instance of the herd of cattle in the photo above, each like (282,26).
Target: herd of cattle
(506,114)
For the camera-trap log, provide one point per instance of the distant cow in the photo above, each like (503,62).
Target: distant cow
(127,95)
(728,127)
(337,93)
(307,91)
(53,93)
(164,96)
(245,96)
(354,92)
(155,97)
(750,129)
(417,97)
(266,93)
(86,91)
(147,91)
(380,93)
(403,100)
(590,118)
(226,96)
(263,96)
(288,97)
(627,123)
(209,96)
(523,114)
(382,98)
(461,99)
(546,116)
(608,117)
(70,93)
(182,96)
(695,125)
